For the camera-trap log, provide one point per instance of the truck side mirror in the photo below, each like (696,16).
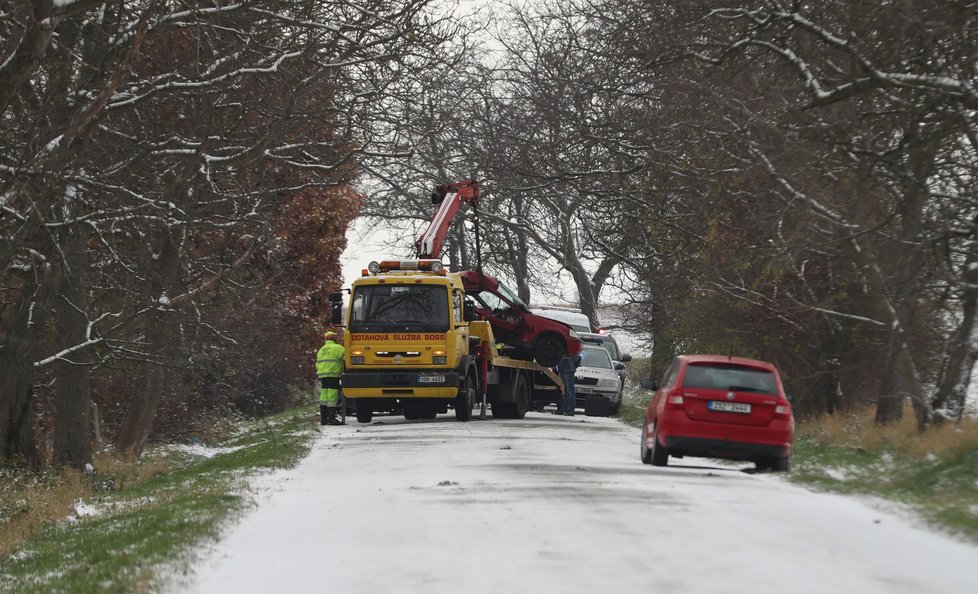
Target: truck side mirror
(336,308)
(468,312)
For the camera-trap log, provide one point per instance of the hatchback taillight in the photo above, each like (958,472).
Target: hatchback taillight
(675,399)
(782,411)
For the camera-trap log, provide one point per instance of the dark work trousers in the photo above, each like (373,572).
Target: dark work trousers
(569,403)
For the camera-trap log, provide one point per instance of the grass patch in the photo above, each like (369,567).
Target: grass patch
(634,400)
(142,515)
(935,473)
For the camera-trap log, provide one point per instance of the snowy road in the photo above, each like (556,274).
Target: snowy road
(562,505)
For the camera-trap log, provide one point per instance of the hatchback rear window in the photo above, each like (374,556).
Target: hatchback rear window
(729,377)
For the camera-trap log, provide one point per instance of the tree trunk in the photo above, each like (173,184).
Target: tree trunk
(889,404)
(161,339)
(962,349)
(17,440)
(141,413)
(72,405)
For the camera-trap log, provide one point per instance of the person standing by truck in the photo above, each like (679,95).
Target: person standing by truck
(329,367)
(566,368)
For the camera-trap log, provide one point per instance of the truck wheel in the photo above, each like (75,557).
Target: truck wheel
(465,399)
(502,410)
(412,411)
(522,392)
(364,413)
(549,350)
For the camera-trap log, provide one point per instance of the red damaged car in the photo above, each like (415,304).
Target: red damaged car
(527,335)
(719,407)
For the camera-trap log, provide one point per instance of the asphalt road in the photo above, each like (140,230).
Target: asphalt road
(558,504)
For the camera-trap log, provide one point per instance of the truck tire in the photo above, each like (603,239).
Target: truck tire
(364,413)
(502,410)
(465,399)
(522,392)
(412,411)
(549,350)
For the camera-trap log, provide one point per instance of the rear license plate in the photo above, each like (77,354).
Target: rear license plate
(735,407)
(431,379)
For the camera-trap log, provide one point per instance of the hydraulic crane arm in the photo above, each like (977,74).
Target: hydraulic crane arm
(450,197)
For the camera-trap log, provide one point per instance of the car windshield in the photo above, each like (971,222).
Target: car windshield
(729,377)
(612,348)
(491,300)
(595,357)
(399,308)
(507,293)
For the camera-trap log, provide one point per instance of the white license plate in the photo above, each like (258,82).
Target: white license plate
(578,390)
(736,407)
(431,379)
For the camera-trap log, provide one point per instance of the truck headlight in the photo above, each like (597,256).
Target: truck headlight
(608,383)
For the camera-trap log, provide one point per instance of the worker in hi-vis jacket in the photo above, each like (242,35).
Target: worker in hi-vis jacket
(329,366)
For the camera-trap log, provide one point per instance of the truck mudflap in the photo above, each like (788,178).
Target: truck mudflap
(401,384)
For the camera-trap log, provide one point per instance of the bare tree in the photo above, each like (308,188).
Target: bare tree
(914,87)
(169,134)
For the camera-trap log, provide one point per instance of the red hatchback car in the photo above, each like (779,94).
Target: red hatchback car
(719,407)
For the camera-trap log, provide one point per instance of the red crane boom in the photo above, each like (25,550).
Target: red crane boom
(450,197)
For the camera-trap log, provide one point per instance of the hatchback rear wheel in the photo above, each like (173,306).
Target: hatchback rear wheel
(659,455)
(644,447)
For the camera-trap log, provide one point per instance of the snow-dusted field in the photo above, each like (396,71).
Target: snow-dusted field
(562,505)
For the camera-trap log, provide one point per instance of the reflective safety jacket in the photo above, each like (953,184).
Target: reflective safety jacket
(329,360)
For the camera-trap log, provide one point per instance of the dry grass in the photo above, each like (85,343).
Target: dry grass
(29,502)
(859,431)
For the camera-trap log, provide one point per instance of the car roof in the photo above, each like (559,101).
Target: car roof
(703,358)
(594,337)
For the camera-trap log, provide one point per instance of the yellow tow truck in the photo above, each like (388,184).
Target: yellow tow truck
(414,346)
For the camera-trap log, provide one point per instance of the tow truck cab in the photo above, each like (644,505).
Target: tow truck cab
(406,333)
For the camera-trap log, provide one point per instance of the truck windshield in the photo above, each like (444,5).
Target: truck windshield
(399,308)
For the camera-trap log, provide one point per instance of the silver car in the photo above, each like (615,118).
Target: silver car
(617,358)
(597,376)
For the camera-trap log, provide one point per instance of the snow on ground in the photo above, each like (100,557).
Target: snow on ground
(557,504)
